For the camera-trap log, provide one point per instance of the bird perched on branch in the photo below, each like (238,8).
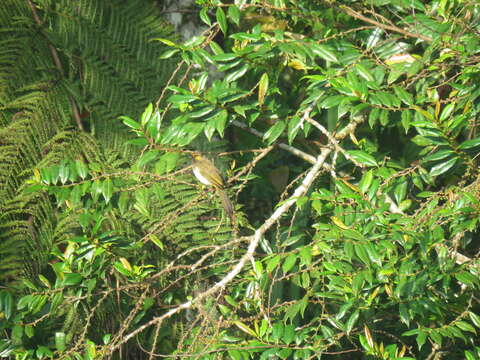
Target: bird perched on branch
(206,172)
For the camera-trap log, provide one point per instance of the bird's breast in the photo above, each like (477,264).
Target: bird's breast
(200,177)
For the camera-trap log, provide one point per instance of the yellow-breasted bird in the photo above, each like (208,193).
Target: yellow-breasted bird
(208,174)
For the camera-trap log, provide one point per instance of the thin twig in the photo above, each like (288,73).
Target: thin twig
(254,240)
(356,15)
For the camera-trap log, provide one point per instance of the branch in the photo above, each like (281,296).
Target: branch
(303,155)
(253,240)
(355,14)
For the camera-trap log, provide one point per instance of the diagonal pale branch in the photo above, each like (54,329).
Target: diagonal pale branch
(253,240)
(301,154)
(353,13)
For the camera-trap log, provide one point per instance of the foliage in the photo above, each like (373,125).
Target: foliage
(351,127)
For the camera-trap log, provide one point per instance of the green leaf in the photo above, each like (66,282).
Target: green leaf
(366,181)
(364,72)
(465,326)
(167,163)
(343,309)
(274,132)
(362,253)
(71,279)
(475,319)
(166,42)
(204,16)
(400,190)
(403,95)
(324,52)
(352,320)
(147,114)
(237,74)
(404,316)
(6,304)
(130,122)
(107,190)
(469,144)
(362,157)
(234,14)
(169,53)
(289,334)
(374,38)
(294,125)
(443,167)
(466,278)
(262,88)
(63,172)
(201,112)
(332,101)
(235,354)
(439,155)
(222,20)
(421,338)
(216,49)
(147,157)
(225,57)
(447,111)
(352,234)
(289,262)
(272,263)
(219,121)
(470,356)
(189,132)
(60,341)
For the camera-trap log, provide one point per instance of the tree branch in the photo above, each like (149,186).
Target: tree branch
(253,240)
(356,15)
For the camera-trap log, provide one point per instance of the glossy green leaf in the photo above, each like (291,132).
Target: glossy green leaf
(234,14)
(6,304)
(470,144)
(72,279)
(465,326)
(364,72)
(273,263)
(352,320)
(324,52)
(366,181)
(362,157)
(439,155)
(467,278)
(130,122)
(201,112)
(289,262)
(204,16)
(169,53)
(443,167)
(403,95)
(237,74)
(107,189)
(274,132)
(222,20)
(60,341)
(447,112)
(262,88)
(475,318)
(421,339)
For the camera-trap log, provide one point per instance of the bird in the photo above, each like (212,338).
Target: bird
(206,172)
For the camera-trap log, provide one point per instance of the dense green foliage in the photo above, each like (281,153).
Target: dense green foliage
(347,133)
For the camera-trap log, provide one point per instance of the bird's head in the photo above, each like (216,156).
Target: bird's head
(196,156)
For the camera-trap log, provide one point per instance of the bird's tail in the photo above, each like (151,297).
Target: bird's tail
(227,204)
